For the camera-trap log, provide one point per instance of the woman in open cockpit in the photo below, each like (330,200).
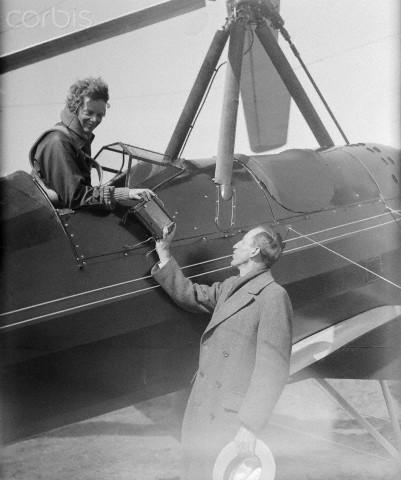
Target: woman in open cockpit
(61,157)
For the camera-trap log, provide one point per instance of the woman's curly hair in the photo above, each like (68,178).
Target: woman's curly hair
(94,88)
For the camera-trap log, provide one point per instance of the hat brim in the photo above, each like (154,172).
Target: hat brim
(229,454)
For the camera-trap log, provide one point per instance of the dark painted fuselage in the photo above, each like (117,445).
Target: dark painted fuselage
(85,329)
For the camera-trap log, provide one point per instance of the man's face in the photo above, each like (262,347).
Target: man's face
(91,113)
(244,250)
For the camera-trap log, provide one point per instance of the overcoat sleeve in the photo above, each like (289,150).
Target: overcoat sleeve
(188,295)
(272,358)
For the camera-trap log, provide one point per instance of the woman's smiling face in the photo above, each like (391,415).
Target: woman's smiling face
(91,113)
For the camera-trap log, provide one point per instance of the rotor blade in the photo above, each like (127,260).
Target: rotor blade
(265,99)
(102,31)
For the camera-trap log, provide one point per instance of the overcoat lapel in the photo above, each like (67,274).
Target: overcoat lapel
(238,300)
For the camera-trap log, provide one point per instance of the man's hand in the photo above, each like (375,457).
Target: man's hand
(140,194)
(163,245)
(245,442)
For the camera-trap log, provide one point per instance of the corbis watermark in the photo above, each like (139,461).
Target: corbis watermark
(53,16)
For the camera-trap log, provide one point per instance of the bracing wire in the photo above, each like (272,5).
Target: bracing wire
(306,70)
(315,242)
(191,127)
(278,23)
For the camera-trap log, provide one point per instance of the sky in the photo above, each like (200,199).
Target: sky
(350,46)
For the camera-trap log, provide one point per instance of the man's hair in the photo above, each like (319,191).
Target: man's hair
(94,88)
(270,244)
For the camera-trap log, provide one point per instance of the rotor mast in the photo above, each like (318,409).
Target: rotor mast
(243,14)
(229,114)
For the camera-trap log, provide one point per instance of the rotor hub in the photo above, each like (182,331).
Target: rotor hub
(257,11)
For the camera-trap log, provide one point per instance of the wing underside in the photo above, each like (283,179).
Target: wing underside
(364,332)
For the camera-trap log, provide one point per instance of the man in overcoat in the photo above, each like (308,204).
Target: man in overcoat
(244,351)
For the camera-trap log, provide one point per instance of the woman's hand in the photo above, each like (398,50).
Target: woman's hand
(141,194)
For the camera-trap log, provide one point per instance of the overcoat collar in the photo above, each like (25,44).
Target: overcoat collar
(71,121)
(251,284)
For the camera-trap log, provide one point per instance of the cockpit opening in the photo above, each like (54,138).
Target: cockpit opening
(126,165)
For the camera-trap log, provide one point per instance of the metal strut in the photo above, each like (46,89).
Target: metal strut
(278,23)
(357,416)
(243,13)
(196,95)
(225,149)
(293,85)
(393,412)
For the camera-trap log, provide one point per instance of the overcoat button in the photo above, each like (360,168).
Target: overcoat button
(201,374)
(218,384)
(225,354)
(212,416)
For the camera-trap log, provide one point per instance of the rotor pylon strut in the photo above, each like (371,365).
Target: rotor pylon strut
(293,85)
(243,14)
(229,113)
(185,122)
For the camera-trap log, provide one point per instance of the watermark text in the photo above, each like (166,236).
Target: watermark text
(54,16)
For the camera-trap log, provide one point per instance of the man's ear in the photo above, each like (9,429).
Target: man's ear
(256,251)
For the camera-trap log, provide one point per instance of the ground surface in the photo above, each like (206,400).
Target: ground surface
(310,436)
